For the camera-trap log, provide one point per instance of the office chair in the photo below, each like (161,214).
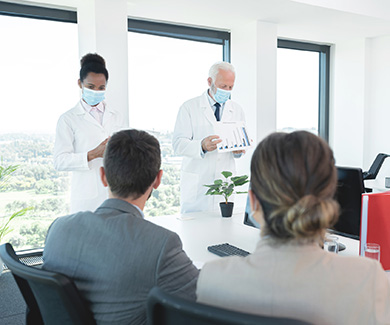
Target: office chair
(166,309)
(51,298)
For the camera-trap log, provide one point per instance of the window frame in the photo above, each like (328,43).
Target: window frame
(324,79)
(40,13)
(205,35)
(37,12)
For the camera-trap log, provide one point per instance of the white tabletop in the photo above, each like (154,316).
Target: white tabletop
(202,229)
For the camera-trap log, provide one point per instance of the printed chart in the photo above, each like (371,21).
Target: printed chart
(234,136)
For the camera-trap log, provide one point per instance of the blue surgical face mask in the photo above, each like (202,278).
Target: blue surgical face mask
(93,97)
(221,96)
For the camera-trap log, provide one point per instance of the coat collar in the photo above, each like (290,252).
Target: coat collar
(121,206)
(79,110)
(208,111)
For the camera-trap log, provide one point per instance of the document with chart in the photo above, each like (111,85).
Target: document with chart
(234,136)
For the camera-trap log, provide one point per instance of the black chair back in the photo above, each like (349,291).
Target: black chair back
(56,295)
(164,309)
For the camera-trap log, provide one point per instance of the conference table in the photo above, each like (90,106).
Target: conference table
(199,230)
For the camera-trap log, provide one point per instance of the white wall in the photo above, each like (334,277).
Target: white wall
(103,29)
(377,116)
(254,47)
(360,103)
(347,102)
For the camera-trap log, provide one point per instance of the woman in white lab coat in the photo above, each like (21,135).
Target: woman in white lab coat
(82,134)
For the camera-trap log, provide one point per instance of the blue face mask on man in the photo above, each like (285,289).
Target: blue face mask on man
(93,97)
(221,96)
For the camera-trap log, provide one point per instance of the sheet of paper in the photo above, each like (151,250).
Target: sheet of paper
(234,136)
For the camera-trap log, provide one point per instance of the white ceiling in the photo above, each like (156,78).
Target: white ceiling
(329,21)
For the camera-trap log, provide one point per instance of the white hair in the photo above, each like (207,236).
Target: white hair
(214,70)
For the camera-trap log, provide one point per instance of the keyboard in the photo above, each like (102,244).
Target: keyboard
(226,250)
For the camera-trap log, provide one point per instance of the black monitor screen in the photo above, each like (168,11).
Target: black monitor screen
(349,191)
(349,196)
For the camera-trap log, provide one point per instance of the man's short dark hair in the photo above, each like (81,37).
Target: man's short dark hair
(132,160)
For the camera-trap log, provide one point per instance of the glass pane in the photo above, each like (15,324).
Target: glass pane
(297,90)
(39,82)
(163,73)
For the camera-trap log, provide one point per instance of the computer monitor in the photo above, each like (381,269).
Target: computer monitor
(349,191)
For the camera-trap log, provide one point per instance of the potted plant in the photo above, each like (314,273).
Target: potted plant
(5,173)
(226,188)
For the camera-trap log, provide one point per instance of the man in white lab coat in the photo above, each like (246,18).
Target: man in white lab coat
(194,138)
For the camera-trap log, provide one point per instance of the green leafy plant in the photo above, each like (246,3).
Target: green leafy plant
(226,187)
(5,174)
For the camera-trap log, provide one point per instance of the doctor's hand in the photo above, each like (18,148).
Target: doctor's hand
(239,151)
(210,143)
(98,151)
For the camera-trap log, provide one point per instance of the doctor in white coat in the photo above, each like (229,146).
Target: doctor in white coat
(82,134)
(194,138)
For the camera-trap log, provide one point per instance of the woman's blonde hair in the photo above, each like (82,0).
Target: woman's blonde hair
(293,176)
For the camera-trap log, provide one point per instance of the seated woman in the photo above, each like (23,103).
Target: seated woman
(293,181)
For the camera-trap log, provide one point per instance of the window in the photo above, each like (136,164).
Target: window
(39,74)
(303,87)
(168,65)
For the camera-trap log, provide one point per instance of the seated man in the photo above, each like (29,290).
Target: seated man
(115,256)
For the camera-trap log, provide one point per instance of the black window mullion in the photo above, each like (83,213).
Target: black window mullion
(183,32)
(36,12)
(323,105)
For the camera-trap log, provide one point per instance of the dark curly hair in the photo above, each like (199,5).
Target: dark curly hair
(92,62)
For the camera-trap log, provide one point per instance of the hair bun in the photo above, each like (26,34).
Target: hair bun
(92,58)
(306,217)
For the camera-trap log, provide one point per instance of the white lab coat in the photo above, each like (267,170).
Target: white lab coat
(77,133)
(196,121)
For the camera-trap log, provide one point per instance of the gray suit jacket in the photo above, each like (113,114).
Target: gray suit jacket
(115,257)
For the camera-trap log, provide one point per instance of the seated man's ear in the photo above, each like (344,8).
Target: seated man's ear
(157,181)
(103,176)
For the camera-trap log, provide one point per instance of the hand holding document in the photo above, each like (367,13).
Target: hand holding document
(234,136)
